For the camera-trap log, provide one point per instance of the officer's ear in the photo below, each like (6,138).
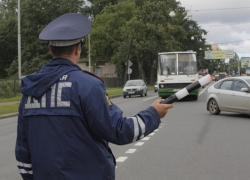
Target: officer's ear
(77,49)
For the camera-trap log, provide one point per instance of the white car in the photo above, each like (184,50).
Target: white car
(229,94)
(135,87)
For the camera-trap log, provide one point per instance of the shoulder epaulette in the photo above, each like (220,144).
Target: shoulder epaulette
(92,74)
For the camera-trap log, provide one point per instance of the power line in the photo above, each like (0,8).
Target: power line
(224,24)
(238,2)
(232,42)
(220,9)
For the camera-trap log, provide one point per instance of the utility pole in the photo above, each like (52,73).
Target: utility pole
(89,53)
(19,42)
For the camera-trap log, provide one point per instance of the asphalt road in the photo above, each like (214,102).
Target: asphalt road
(8,168)
(190,144)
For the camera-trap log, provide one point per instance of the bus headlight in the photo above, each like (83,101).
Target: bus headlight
(162,85)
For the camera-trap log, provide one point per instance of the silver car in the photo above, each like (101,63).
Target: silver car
(135,87)
(229,94)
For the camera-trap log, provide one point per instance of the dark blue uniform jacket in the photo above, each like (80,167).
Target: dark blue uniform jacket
(65,123)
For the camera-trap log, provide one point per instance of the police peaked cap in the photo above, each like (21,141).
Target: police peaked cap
(66,30)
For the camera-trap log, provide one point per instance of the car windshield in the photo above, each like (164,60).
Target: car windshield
(133,83)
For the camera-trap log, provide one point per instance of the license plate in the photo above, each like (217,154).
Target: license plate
(131,92)
(176,90)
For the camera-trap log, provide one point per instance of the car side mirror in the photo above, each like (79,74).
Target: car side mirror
(244,90)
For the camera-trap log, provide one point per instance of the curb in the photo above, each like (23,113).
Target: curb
(115,96)
(8,115)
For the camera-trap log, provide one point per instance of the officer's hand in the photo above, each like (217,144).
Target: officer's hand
(162,109)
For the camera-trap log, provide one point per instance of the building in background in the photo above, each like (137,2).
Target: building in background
(215,47)
(245,62)
(102,68)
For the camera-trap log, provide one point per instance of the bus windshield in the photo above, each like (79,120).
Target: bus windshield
(178,64)
(168,64)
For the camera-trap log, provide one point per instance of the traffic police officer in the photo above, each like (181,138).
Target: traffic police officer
(66,118)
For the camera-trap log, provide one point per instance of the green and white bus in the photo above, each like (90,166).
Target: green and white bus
(176,70)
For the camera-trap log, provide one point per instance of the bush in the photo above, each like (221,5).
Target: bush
(9,88)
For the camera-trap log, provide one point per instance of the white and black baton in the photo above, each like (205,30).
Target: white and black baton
(185,91)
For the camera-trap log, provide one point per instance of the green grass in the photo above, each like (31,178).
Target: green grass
(12,108)
(7,109)
(114,91)
(17,98)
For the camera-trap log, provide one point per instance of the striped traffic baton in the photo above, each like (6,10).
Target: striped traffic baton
(185,91)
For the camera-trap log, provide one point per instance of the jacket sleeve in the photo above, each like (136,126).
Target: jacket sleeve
(107,122)
(22,150)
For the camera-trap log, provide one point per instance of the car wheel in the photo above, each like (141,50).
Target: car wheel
(146,93)
(213,107)
(129,96)
(124,96)
(142,93)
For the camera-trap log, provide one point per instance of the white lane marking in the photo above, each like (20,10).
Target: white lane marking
(131,151)
(150,98)
(121,159)
(139,144)
(202,91)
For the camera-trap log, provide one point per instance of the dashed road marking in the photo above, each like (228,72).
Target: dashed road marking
(121,159)
(139,144)
(131,151)
(151,134)
(150,98)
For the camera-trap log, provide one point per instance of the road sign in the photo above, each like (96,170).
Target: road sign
(215,55)
(223,54)
(129,63)
(229,54)
(129,70)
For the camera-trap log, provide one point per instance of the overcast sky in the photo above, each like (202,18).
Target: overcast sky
(227,22)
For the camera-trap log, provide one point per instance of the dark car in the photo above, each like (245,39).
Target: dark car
(135,87)
(156,87)
(230,94)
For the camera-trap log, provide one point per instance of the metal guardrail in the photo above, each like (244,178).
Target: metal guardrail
(11,87)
